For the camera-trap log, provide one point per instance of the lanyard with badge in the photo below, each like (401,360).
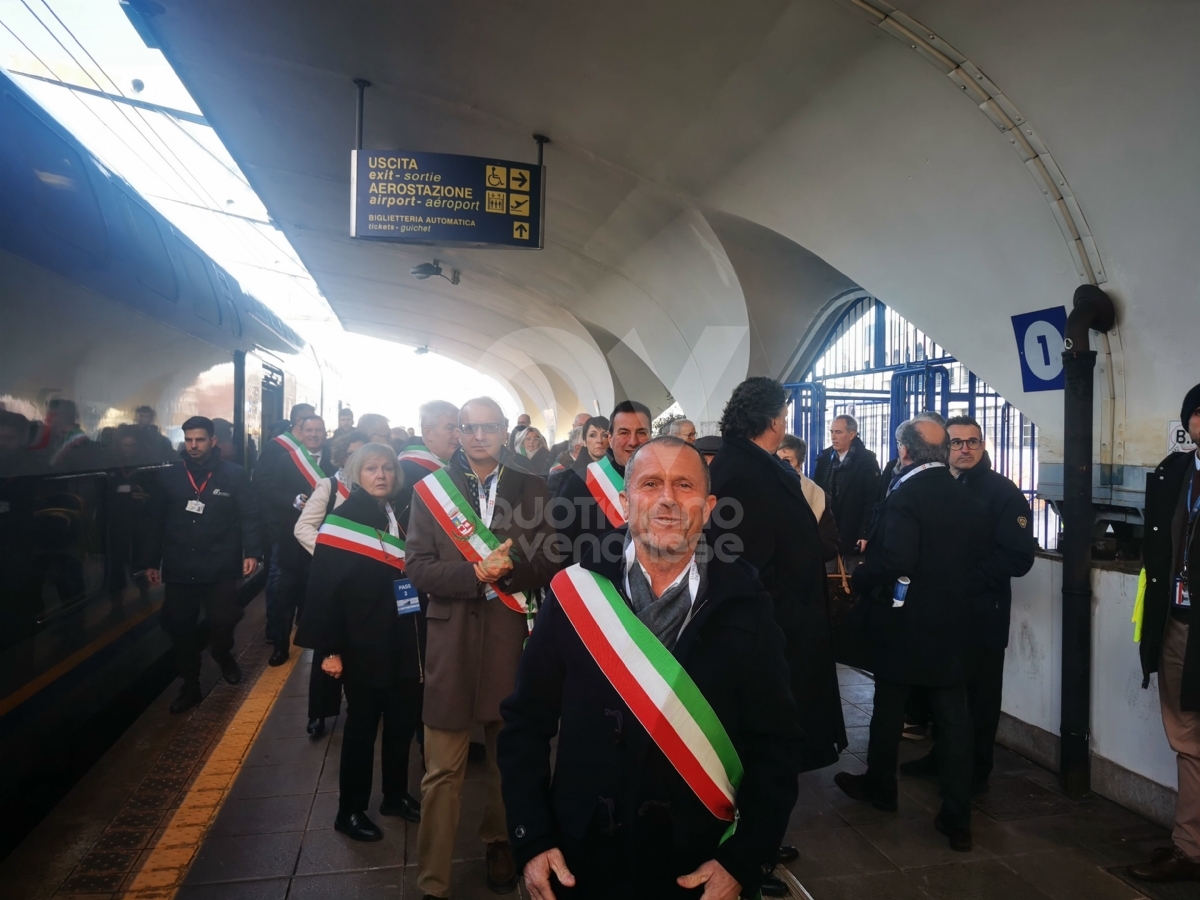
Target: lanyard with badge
(487,509)
(1182,599)
(196,506)
(407,601)
(907,475)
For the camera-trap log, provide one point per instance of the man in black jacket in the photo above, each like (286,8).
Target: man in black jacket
(1168,647)
(1005,552)
(913,582)
(292,473)
(849,473)
(618,818)
(202,536)
(762,509)
(575,513)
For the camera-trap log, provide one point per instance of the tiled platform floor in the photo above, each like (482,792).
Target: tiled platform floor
(274,838)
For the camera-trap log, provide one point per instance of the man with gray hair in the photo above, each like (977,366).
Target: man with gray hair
(913,584)
(849,474)
(684,429)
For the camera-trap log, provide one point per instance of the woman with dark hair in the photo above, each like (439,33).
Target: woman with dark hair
(362,615)
(761,501)
(596,438)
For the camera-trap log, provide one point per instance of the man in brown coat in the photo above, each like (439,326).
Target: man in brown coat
(475,635)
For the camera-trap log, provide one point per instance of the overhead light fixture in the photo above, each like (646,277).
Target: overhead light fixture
(429,270)
(421,351)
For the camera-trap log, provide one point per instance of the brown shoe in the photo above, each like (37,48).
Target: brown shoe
(1167,864)
(501,868)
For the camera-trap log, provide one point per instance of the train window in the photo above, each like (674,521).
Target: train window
(67,201)
(152,264)
(204,301)
(235,319)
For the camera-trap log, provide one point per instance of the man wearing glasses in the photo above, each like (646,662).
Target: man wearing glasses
(1006,527)
(476,544)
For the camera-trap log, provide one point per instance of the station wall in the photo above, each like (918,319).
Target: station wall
(1132,762)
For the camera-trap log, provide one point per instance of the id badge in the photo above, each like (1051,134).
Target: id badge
(406,597)
(124,488)
(195,506)
(1182,600)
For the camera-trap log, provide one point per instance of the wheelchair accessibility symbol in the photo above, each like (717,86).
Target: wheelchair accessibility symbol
(496,177)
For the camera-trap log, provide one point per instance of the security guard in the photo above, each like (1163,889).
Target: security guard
(202,536)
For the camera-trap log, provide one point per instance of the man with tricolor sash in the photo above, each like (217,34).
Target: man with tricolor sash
(662,673)
(286,485)
(477,536)
(431,451)
(587,508)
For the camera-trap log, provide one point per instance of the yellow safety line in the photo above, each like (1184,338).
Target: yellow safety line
(165,866)
(15,699)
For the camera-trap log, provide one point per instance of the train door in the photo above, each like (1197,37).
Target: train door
(272,398)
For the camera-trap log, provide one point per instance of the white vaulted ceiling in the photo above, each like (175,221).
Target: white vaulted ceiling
(724,175)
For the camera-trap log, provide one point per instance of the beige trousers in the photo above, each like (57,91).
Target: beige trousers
(1183,734)
(441,795)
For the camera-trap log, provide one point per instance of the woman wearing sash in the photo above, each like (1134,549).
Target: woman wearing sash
(325,691)
(361,615)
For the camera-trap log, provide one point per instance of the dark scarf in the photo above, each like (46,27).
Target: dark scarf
(665,615)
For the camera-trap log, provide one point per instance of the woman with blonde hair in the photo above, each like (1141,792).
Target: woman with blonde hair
(534,448)
(362,615)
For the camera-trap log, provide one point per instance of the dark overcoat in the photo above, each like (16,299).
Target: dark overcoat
(928,531)
(1006,551)
(853,490)
(350,609)
(1166,525)
(778,535)
(610,777)
(472,643)
(578,519)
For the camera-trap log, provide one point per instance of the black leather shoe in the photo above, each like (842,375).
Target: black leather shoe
(501,868)
(925,767)
(230,670)
(189,696)
(773,887)
(959,838)
(788,853)
(316,728)
(279,657)
(1167,864)
(407,807)
(855,787)
(357,826)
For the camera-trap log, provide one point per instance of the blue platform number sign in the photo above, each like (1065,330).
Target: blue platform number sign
(1040,345)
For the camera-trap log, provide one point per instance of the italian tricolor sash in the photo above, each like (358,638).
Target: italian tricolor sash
(301,457)
(452,511)
(655,687)
(422,457)
(363,540)
(341,488)
(605,484)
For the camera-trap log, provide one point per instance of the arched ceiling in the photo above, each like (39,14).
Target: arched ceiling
(723,175)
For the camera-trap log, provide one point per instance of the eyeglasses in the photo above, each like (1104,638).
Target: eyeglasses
(485,427)
(958,443)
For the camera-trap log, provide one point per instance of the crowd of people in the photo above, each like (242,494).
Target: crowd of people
(639,626)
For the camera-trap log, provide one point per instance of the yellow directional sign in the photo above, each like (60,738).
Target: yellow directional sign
(519,180)
(521,230)
(518,204)
(496,201)
(496,177)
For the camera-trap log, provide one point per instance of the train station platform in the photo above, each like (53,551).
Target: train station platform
(236,802)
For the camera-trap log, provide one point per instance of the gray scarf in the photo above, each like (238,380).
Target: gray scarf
(665,615)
